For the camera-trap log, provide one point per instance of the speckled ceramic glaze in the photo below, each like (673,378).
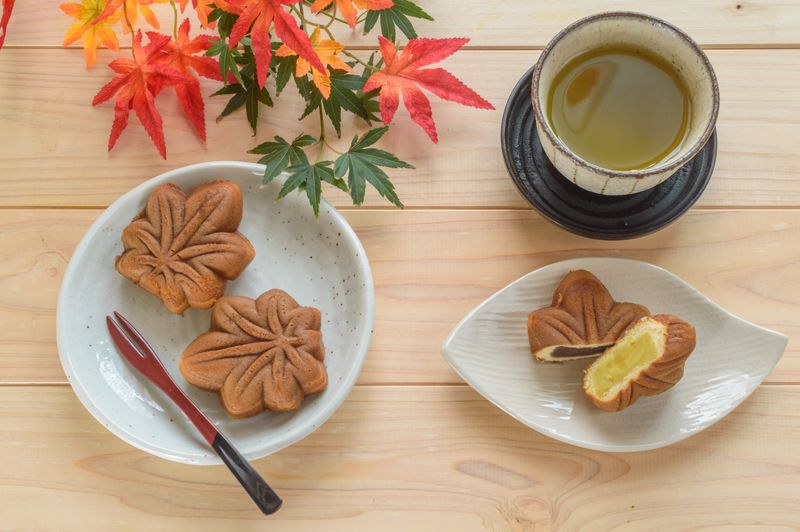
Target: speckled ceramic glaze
(656,36)
(320,263)
(489,349)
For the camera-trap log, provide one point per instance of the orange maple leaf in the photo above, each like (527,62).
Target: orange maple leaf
(90,33)
(348,9)
(130,13)
(136,7)
(203,8)
(328,51)
(402,74)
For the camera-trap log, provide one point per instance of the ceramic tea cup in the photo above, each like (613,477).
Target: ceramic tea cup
(655,36)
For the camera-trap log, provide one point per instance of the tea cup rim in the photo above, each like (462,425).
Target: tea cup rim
(675,163)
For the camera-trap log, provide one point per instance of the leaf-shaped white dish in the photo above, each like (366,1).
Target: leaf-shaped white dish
(489,350)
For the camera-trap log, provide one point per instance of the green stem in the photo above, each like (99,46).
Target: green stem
(174,20)
(332,17)
(322,141)
(297,13)
(328,31)
(302,17)
(332,148)
(357,60)
(128,22)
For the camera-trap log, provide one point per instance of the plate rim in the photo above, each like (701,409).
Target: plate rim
(447,354)
(346,384)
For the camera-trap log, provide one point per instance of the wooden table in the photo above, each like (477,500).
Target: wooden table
(413,448)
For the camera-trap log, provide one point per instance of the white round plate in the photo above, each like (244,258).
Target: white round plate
(320,263)
(489,349)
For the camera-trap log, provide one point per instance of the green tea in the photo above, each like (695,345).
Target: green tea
(620,108)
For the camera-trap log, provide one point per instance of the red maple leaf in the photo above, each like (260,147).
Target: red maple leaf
(261,14)
(134,88)
(180,55)
(5,16)
(402,74)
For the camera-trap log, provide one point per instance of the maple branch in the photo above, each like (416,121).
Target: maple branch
(332,148)
(328,31)
(301,15)
(333,18)
(357,60)
(322,140)
(174,20)
(128,22)
(304,21)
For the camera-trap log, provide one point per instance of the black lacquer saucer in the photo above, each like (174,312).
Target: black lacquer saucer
(583,212)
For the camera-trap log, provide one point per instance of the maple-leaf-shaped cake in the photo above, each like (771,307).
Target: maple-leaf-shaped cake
(582,321)
(647,360)
(263,354)
(184,249)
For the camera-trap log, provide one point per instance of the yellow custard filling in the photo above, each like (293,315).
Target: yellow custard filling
(635,351)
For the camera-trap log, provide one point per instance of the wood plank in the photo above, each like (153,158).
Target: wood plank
(405,458)
(431,268)
(45,97)
(511,24)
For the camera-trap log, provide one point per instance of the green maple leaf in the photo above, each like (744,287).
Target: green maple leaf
(246,93)
(310,177)
(362,165)
(396,17)
(224,20)
(227,59)
(284,68)
(279,154)
(346,93)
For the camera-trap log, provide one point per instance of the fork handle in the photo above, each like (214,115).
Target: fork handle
(141,356)
(255,486)
(264,497)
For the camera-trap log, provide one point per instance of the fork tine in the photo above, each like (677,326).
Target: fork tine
(135,336)
(121,338)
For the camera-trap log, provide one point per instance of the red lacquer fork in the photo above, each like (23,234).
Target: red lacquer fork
(141,356)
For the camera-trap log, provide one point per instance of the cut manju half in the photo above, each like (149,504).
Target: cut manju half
(647,360)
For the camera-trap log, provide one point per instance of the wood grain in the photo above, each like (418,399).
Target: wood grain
(509,24)
(404,458)
(45,100)
(431,268)
(411,449)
